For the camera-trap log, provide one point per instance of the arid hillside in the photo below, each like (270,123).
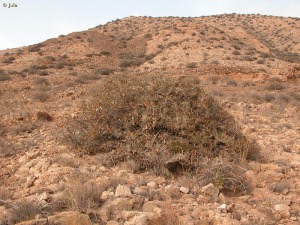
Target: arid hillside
(234,79)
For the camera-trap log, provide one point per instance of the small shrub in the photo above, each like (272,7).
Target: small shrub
(260,61)
(130,63)
(60,65)
(44,116)
(12,72)
(231,82)
(4,76)
(257,97)
(150,56)
(191,65)
(236,47)
(169,215)
(43,73)
(248,83)
(213,79)
(35,48)
(294,95)
(9,60)
(41,96)
(104,71)
(41,81)
(104,52)
(5,194)
(82,196)
(49,58)
(269,97)
(148,36)
(284,98)
(274,86)
(26,127)
(236,52)
(24,211)
(86,77)
(216,62)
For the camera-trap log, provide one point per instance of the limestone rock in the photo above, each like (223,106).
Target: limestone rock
(173,192)
(283,209)
(211,190)
(160,180)
(123,191)
(139,219)
(151,184)
(122,204)
(184,190)
(150,205)
(64,218)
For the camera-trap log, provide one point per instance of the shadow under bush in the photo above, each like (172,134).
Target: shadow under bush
(165,124)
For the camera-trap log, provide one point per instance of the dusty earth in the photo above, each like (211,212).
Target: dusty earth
(249,63)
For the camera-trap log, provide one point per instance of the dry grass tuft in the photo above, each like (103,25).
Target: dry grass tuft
(24,211)
(82,196)
(170,215)
(275,85)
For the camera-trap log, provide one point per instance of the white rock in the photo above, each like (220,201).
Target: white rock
(282,207)
(151,184)
(160,180)
(123,191)
(222,208)
(139,219)
(106,194)
(139,191)
(184,190)
(210,190)
(284,210)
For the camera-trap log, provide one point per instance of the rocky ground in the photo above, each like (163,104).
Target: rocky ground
(44,180)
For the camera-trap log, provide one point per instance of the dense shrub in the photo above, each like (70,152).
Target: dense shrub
(163,124)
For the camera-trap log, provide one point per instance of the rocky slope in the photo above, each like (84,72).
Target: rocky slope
(249,63)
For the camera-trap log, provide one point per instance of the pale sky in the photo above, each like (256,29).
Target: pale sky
(34,21)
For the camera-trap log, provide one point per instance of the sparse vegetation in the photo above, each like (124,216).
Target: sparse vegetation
(41,96)
(213,79)
(4,76)
(136,117)
(103,71)
(41,81)
(44,116)
(82,196)
(104,52)
(24,211)
(236,52)
(9,60)
(269,97)
(35,48)
(191,65)
(230,82)
(275,85)
(130,63)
